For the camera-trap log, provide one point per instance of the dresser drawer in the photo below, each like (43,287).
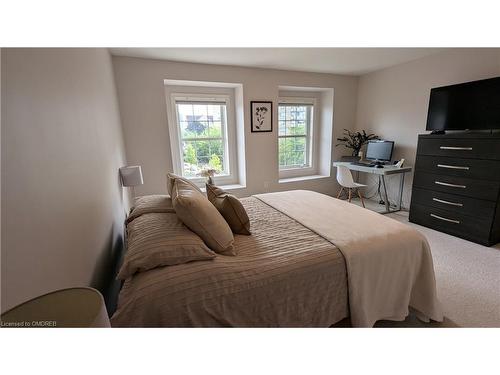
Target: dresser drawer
(479,208)
(479,189)
(460,147)
(452,223)
(469,168)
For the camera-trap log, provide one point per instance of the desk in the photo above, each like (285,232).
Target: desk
(382,172)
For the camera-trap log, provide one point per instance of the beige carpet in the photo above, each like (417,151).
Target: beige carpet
(467,277)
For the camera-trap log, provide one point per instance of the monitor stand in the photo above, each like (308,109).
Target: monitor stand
(378,164)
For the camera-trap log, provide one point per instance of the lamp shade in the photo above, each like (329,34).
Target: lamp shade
(71,307)
(131,176)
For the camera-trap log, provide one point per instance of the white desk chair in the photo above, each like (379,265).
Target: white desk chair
(344,178)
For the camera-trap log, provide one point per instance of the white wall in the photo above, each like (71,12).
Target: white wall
(62,204)
(393,102)
(143,112)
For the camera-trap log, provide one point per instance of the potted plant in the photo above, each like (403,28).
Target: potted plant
(209,174)
(355,140)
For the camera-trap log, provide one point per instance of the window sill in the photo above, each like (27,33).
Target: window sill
(227,187)
(302,178)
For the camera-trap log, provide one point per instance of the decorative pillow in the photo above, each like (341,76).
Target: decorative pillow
(160,239)
(199,215)
(171,177)
(230,208)
(150,204)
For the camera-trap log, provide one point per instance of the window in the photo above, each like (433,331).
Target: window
(295,144)
(204,132)
(203,142)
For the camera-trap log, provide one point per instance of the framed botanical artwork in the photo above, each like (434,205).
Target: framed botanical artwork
(262,116)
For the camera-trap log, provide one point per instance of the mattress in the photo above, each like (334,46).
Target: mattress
(284,275)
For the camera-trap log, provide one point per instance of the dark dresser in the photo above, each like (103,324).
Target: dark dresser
(456,187)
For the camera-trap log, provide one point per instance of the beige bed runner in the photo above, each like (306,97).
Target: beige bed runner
(389,264)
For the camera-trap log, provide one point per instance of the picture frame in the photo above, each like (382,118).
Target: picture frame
(261,114)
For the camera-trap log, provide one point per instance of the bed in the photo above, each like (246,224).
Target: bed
(311,261)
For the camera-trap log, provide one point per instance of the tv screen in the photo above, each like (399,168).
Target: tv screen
(466,106)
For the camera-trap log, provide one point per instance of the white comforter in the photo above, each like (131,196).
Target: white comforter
(389,264)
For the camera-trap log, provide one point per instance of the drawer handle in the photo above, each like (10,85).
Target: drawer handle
(456,148)
(450,185)
(446,202)
(452,167)
(445,219)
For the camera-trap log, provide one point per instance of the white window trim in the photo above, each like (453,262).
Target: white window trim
(312,144)
(176,142)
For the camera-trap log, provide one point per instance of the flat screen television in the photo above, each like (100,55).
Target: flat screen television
(466,106)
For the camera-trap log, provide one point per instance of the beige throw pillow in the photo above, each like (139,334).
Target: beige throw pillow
(160,239)
(171,177)
(199,215)
(230,208)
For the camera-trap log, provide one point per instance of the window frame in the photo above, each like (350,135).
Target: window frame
(228,132)
(311,148)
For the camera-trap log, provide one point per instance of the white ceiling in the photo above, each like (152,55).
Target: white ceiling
(350,61)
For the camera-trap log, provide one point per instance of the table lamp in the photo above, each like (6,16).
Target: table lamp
(70,307)
(131,176)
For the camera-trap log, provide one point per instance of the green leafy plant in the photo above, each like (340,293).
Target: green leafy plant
(190,154)
(355,140)
(215,163)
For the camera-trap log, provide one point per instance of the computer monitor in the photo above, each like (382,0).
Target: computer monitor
(379,150)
